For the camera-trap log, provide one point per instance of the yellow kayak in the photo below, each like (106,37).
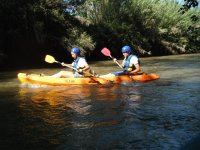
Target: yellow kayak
(49,80)
(103,79)
(142,77)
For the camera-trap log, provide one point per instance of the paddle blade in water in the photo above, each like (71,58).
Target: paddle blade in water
(49,59)
(106,51)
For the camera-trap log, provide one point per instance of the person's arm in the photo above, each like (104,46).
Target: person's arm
(137,69)
(134,61)
(83,66)
(115,60)
(122,64)
(64,64)
(86,68)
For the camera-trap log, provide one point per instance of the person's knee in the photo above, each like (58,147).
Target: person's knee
(62,72)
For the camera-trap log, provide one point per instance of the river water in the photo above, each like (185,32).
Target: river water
(162,114)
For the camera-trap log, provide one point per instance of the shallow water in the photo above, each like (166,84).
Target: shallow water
(162,114)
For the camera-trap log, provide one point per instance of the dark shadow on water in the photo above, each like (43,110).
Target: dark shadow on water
(193,144)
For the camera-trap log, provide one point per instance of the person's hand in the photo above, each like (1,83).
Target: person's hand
(80,71)
(63,64)
(115,60)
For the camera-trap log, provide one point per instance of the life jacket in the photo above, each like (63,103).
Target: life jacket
(75,67)
(128,65)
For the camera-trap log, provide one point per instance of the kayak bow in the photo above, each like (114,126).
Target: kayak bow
(142,77)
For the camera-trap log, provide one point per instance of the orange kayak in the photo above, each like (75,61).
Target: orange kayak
(142,77)
(49,80)
(103,79)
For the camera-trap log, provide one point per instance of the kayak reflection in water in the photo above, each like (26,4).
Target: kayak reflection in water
(79,65)
(130,64)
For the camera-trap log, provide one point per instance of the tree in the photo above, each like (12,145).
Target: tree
(147,25)
(188,4)
(30,29)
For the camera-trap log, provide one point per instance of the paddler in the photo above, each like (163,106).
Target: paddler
(79,64)
(130,64)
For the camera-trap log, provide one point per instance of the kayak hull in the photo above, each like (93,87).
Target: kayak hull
(104,79)
(143,77)
(49,80)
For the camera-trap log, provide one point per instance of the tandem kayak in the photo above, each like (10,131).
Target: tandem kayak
(49,80)
(103,79)
(141,77)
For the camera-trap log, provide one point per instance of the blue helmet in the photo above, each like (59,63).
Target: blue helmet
(75,50)
(126,49)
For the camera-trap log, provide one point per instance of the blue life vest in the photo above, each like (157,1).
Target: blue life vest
(75,66)
(128,65)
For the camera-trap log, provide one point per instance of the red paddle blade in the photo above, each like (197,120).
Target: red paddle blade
(105,51)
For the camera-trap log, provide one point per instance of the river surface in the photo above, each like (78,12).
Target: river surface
(159,115)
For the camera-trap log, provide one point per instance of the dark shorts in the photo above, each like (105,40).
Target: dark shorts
(119,73)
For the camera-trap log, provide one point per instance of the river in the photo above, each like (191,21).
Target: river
(162,114)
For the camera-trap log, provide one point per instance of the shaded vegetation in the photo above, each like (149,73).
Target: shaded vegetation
(30,29)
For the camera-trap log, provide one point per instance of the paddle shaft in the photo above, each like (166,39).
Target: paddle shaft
(50,59)
(107,52)
(63,64)
(116,62)
(74,68)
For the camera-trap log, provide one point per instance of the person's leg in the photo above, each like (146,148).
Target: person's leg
(118,73)
(63,74)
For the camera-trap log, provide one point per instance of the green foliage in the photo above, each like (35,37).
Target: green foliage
(154,25)
(79,38)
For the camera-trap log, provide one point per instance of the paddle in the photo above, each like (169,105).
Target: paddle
(50,59)
(107,52)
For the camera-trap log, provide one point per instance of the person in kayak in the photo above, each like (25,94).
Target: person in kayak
(130,64)
(79,64)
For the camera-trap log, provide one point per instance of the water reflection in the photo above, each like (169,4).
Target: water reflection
(62,111)
(50,102)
